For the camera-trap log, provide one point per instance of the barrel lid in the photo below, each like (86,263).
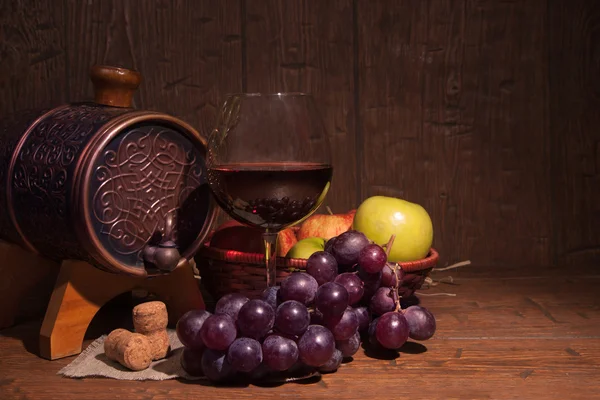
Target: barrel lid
(142,168)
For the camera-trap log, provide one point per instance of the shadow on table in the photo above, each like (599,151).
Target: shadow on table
(242,382)
(28,333)
(412,348)
(380,353)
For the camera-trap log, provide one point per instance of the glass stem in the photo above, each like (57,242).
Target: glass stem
(270,239)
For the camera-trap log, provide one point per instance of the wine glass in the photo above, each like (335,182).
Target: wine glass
(269,163)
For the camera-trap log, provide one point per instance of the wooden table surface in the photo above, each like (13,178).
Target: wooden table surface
(532,334)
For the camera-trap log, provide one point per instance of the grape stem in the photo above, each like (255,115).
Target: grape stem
(395,295)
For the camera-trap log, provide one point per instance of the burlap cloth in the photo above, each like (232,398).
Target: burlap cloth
(93,363)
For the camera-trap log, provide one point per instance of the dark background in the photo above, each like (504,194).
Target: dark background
(485,112)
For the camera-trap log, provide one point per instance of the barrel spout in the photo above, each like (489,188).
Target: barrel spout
(165,256)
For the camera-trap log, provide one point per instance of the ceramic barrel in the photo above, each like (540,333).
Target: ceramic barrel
(105,183)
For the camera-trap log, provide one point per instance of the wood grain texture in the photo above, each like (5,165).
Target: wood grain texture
(188,52)
(489,370)
(32,54)
(452,112)
(527,308)
(574,28)
(482,350)
(96,33)
(307,46)
(482,111)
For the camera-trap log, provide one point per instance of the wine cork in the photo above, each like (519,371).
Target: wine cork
(159,344)
(112,341)
(132,350)
(150,317)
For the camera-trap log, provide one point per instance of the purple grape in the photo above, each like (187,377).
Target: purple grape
(349,347)
(316,317)
(372,282)
(371,332)
(279,353)
(364,318)
(316,346)
(215,366)
(382,301)
(388,277)
(332,299)
(271,296)
(255,319)
(372,258)
(244,354)
(392,330)
(421,322)
(230,304)
(191,361)
(322,266)
(329,245)
(353,284)
(333,363)
(343,327)
(188,328)
(299,286)
(292,318)
(218,332)
(347,247)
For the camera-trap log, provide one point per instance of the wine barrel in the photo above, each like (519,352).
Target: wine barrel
(102,182)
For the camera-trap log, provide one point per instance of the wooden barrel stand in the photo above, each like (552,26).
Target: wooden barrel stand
(81,290)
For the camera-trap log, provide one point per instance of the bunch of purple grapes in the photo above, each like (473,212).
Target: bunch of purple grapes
(258,337)
(312,321)
(350,260)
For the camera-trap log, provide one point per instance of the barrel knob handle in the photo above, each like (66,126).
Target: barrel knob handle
(114,86)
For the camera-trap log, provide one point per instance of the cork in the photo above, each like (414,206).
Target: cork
(112,341)
(132,350)
(150,317)
(159,344)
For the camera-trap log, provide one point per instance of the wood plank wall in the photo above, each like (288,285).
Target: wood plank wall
(483,111)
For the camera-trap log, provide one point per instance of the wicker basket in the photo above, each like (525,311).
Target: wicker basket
(228,271)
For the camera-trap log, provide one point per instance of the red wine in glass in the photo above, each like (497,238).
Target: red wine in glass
(269,163)
(270,196)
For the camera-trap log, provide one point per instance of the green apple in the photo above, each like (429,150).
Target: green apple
(306,247)
(379,217)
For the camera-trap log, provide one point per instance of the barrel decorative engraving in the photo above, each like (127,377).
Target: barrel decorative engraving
(143,175)
(11,128)
(42,173)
